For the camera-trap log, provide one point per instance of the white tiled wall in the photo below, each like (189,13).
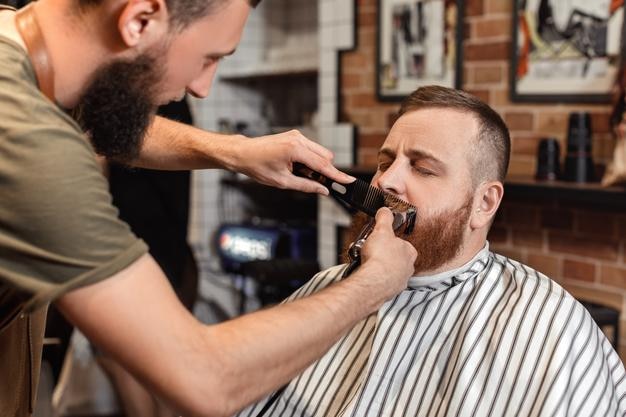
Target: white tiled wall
(336,33)
(265,41)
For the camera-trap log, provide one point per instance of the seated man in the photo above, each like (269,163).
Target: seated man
(475,333)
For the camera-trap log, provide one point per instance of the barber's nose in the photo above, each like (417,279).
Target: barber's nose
(201,86)
(393,180)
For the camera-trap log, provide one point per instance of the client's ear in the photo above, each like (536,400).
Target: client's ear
(486,202)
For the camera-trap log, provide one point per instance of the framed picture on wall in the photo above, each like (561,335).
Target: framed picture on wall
(419,43)
(565,51)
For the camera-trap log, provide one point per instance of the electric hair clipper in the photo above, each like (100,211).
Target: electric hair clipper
(400,219)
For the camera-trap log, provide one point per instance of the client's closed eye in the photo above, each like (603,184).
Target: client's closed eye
(423,171)
(383,166)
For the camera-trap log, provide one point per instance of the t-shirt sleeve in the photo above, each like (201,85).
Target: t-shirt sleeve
(58,228)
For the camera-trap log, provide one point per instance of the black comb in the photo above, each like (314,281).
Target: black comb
(358,194)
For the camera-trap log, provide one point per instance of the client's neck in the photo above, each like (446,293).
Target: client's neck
(467,251)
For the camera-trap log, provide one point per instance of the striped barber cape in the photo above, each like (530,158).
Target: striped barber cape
(492,338)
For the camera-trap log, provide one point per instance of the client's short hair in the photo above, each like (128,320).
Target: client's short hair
(492,147)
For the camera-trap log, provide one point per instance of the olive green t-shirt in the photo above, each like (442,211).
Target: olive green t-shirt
(58,228)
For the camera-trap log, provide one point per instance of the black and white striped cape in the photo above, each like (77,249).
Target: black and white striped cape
(493,338)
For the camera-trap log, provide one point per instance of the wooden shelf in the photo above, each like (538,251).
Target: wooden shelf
(245,75)
(580,194)
(527,189)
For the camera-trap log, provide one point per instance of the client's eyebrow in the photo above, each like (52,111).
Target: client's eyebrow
(416,155)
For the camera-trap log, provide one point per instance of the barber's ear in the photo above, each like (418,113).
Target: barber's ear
(143,22)
(486,202)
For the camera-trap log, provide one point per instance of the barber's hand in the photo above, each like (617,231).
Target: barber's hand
(269,160)
(387,261)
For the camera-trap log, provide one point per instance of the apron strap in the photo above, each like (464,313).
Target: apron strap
(30,31)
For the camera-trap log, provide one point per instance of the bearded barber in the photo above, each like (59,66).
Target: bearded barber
(109,63)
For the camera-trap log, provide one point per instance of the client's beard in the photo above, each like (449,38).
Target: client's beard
(437,239)
(118,106)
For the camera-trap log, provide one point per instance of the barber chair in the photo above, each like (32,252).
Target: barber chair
(605,316)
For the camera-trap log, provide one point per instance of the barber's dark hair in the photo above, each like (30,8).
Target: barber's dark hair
(183,12)
(492,147)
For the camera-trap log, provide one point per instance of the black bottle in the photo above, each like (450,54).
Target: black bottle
(578,161)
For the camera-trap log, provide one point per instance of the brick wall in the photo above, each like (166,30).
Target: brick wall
(582,248)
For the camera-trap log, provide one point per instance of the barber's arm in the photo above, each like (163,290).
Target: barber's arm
(219,369)
(170,145)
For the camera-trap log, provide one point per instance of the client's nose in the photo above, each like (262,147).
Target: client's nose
(392,180)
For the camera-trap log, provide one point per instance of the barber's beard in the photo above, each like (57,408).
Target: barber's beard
(438,239)
(118,106)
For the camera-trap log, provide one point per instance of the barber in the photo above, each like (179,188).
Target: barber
(109,64)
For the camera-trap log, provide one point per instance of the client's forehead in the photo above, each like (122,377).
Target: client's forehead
(444,133)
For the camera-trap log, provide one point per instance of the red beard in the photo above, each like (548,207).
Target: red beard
(437,239)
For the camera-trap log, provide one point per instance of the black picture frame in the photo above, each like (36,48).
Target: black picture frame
(555,68)
(451,43)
